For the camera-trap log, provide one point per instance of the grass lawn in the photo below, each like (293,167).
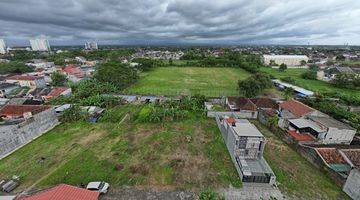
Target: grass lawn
(313,85)
(297,177)
(189,81)
(189,154)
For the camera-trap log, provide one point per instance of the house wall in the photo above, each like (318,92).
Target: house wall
(15,136)
(241,114)
(352,184)
(338,136)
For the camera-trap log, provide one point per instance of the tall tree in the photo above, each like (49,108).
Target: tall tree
(117,73)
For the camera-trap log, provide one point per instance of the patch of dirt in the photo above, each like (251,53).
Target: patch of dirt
(91,137)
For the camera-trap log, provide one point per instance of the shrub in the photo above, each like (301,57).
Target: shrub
(283,67)
(72,114)
(288,79)
(311,75)
(210,194)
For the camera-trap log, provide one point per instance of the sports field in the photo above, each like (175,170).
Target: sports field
(189,81)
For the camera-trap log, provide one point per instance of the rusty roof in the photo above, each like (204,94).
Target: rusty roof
(331,155)
(297,108)
(18,110)
(353,155)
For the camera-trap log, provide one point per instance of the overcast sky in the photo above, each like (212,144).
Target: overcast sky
(181,21)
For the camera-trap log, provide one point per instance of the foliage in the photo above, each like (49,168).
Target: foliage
(272,63)
(171,110)
(89,93)
(146,64)
(72,114)
(210,194)
(23,56)
(254,85)
(288,93)
(103,101)
(159,113)
(248,62)
(58,79)
(310,75)
(114,115)
(14,67)
(313,67)
(193,55)
(119,74)
(302,62)
(288,79)
(344,80)
(283,67)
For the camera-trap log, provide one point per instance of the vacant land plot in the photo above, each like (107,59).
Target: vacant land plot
(313,85)
(190,81)
(296,176)
(189,155)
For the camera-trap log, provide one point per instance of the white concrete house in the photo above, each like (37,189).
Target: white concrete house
(289,60)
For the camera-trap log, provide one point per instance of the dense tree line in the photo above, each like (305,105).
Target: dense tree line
(248,62)
(14,67)
(146,64)
(351,81)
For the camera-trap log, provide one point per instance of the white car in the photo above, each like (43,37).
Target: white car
(101,187)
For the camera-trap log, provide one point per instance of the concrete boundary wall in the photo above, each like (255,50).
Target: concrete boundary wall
(13,137)
(242,115)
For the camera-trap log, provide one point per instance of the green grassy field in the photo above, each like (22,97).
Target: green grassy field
(189,154)
(296,176)
(313,85)
(189,81)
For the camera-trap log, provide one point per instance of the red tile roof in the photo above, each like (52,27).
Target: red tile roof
(73,70)
(270,112)
(18,110)
(300,136)
(23,78)
(297,108)
(265,103)
(55,92)
(353,155)
(63,192)
(331,156)
(230,120)
(242,103)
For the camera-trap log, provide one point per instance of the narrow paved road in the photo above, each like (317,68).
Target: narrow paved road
(253,191)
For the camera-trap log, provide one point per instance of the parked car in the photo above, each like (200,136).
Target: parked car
(100,186)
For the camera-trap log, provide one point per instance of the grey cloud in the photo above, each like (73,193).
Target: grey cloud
(182,21)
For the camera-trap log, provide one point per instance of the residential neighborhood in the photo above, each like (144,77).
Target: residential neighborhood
(99,121)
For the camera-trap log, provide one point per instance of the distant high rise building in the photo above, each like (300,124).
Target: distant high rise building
(91,46)
(40,44)
(2,47)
